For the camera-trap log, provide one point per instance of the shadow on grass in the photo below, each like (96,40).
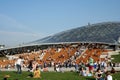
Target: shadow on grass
(90,78)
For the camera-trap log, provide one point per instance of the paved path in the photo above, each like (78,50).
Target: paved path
(49,69)
(52,69)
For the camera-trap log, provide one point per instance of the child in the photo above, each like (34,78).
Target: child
(36,73)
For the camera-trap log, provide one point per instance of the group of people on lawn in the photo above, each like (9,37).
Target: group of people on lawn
(34,69)
(100,73)
(33,66)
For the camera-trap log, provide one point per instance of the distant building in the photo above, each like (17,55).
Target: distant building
(2,46)
(119,40)
(88,24)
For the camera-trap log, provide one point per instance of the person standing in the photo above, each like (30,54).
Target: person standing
(91,64)
(19,65)
(34,65)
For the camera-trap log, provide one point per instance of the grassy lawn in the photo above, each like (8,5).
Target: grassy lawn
(51,76)
(45,76)
(116,58)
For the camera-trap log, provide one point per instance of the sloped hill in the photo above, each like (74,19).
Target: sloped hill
(108,32)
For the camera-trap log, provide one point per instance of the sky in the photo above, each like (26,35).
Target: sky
(23,21)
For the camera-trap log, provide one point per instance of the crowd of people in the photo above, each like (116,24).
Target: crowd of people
(37,63)
(98,70)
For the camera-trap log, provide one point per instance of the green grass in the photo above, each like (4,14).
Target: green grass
(45,76)
(51,76)
(116,76)
(116,58)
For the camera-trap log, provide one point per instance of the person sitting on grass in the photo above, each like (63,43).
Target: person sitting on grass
(36,73)
(112,70)
(85,72)
(98,75)
(108,76)
(6,77)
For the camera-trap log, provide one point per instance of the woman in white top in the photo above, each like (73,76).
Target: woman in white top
(108,76)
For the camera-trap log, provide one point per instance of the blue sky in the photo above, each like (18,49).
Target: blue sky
(23,21)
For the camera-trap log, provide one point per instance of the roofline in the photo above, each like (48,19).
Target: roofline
(40,44)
